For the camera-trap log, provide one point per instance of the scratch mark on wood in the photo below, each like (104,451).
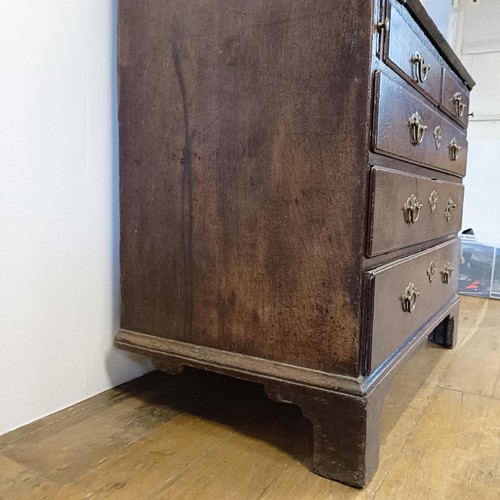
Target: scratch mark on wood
(237,12)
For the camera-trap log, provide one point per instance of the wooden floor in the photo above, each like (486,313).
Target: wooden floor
(204,436)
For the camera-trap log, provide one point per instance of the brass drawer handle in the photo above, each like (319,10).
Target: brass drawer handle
(449,207)
(459,105)
(431,270)
(383,24)
(454,148)
(417,128)
(446,273)
(409,298)
(421,69)
(411,209)
(433,199)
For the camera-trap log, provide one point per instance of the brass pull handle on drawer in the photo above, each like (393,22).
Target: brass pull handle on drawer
(409,298)
(446,273)
(411,209)
(454,148)
(421,69)
(449,207)
(417,129)
(383,24)
(459,105)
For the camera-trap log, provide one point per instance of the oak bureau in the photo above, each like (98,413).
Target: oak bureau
(290,195)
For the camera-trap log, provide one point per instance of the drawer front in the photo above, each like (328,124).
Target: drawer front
(455,99)
(408,52)
(406,127)
(407,209)
(406,293)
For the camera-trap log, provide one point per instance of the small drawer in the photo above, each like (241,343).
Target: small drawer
(406,293)
(407,209)
(408,52)
(406,127)
(455,98)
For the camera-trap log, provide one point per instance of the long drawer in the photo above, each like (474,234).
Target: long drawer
(406,127)
(407,209)
(408,52)
(406,293)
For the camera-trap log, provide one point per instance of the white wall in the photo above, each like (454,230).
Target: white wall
(440,11)
(59,273)
(479,47)
(482,190)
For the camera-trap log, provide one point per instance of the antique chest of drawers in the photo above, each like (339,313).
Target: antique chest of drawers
(290,194)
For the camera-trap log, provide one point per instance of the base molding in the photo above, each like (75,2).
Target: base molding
(171,353)
(344,411)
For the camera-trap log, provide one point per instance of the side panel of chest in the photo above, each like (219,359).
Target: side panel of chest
(243,146)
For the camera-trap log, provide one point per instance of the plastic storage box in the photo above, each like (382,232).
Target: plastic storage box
(479,267)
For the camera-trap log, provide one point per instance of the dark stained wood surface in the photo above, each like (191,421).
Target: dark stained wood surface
(236,128)
(421,16)
(404,39)
(388,227)
(170,356)
(451,87)
(346,441)
(396,104)
(391,325)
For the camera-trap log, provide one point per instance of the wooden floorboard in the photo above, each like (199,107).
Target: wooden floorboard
(203,436)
